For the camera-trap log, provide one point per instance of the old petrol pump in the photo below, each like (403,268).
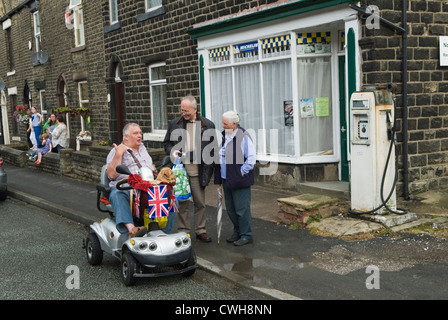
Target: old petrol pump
(373,172)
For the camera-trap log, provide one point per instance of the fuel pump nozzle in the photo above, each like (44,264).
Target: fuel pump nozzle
(389,125)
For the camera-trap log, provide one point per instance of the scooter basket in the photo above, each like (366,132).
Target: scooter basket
(155,204)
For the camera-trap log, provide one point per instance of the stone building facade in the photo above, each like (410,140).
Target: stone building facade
(141,57)
(51,70)
(427,98)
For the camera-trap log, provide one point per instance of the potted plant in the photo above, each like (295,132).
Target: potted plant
(21,114)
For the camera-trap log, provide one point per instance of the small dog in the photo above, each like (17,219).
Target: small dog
(166,175)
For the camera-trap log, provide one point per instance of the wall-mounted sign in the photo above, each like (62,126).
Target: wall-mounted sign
(443,51)
(246,47)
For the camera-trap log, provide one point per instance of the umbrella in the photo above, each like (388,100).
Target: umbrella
(219,212)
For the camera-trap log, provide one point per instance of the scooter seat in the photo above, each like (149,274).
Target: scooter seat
(103,191)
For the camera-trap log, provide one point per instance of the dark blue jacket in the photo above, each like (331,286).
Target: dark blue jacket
(234,161)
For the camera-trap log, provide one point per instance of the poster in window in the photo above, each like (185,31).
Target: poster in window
(288,113)
(307,108)
(322,107)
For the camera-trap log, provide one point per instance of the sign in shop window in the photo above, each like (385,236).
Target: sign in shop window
(313,42)
(246,51)
(219,56)
(276,46)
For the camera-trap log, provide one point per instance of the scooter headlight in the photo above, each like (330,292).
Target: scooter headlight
(186,241)
(178,243)
(153,246)
(143,245)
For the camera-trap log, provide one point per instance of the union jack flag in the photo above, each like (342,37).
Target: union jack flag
(157,202)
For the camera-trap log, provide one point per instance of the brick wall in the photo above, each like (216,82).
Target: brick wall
(427,88)
(139,43)
(141,40)
(74,65)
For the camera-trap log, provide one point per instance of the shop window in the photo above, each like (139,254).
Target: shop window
(313,42)
(278,95)
(246,52)
(221,92)
(283,91)
(341,41)
(219,56)
(315,92)
(276,46)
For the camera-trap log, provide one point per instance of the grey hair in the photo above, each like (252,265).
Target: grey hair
(232,116)
(194,103)
(128,126)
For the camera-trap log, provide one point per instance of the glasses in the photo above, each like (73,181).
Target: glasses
(185,111)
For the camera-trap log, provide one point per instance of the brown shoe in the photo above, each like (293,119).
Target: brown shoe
(204,237)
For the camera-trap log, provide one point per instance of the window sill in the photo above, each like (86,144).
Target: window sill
(151,14)
(77,49)
(157,137)
(112,27)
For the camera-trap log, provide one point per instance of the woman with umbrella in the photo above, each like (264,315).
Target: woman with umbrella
(235,173)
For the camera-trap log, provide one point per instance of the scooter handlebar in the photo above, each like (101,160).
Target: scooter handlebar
(119,185)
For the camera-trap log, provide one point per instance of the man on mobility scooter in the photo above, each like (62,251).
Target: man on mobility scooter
(142,253)
(133,154)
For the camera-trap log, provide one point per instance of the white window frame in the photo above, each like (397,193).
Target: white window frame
(36,25)
(278,28)
(156,134)
(42,99)
(113,11)
(78,22)
(151,8)
(82,100)
(10,52)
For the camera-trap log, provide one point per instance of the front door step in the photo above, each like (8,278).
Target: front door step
(300,209)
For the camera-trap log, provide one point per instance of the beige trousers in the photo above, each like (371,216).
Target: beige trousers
(198,195)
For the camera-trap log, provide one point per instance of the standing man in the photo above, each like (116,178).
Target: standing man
(131,147)
(195,137)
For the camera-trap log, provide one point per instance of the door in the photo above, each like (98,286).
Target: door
(4,128)
(345,174)
(119,109)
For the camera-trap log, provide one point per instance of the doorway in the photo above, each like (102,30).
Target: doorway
(117,103)
(345,171)
(4,127)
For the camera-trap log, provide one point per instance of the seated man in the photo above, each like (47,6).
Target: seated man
(131,153)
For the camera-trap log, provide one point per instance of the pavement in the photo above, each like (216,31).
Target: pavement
(267,265)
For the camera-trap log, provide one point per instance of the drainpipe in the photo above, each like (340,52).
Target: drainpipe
(403,31)
(404,89)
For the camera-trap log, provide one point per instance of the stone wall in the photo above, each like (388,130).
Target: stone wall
(78,165)
(86,63)
(427,87)
(86,166)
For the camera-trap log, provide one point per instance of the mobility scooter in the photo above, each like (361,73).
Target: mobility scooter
(154,254)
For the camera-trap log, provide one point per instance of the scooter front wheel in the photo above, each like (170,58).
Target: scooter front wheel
(128,267)
(93,249)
